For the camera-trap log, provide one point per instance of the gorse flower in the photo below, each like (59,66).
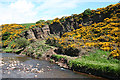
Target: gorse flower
(103,35)
(14,30)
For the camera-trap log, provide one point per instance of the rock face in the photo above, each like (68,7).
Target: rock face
(29,34)
(37,33)
(58,28)
(55,28)
(62,27)
(71,24)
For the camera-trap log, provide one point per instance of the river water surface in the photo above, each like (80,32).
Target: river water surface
(17,66)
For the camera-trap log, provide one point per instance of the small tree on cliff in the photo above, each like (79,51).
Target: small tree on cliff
(87,12)
(40,21)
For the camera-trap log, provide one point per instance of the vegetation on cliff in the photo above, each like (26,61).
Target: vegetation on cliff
(102,35)
(85,42)
(92,36)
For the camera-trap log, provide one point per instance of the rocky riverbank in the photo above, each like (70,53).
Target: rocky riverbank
(17,66)
(72,63)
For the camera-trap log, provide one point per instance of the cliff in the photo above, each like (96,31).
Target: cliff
(75,21)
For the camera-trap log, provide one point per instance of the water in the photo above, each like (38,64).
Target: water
(17,66)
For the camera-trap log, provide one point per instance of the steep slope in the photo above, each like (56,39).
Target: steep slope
(104,35)
(85,29)
(77,40)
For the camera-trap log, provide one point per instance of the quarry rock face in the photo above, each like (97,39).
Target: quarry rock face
(37,33)
(61,27)
(55,28)
(29,34)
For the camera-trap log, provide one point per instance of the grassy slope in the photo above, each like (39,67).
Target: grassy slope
(28,24)
(36,49)
(96,63)
(103,35)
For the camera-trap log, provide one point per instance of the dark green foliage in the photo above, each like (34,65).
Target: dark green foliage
(51,60)
(87,12)
(49,21)
(22,42)
(52,42)
(96,62)
(36,49)
(68,51)
(40,21)
(5,36)
(58,57)
(24,53)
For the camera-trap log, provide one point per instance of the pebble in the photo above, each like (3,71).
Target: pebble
(15,64)
(27,68)
(38,64)
(42,69)
(3,72)
(1,65)
(11,65)
(62,69)
(9,72)
(35,76)
(39,71)
(12,68)
(27,71)
(49,69)
(1,59)
(22,71)
(31,66)
(7,67)
(48,66)
(32,70)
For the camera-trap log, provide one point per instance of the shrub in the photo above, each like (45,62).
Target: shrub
(22,42)
(40,21)
(5,36)
(49,21)
(87,12)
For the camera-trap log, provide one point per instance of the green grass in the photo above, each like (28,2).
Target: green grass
(97,61)
(38,48)
(51,60)
(17,51)
(28,24)
(58,56)
(100,56)
(8,50)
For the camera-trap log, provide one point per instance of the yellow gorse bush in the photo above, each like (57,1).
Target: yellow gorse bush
(103,35)
(15,31)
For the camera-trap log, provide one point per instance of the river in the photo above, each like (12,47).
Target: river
(18,66)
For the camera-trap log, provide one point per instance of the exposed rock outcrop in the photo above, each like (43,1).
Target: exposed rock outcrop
(68,24)
(37,33)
